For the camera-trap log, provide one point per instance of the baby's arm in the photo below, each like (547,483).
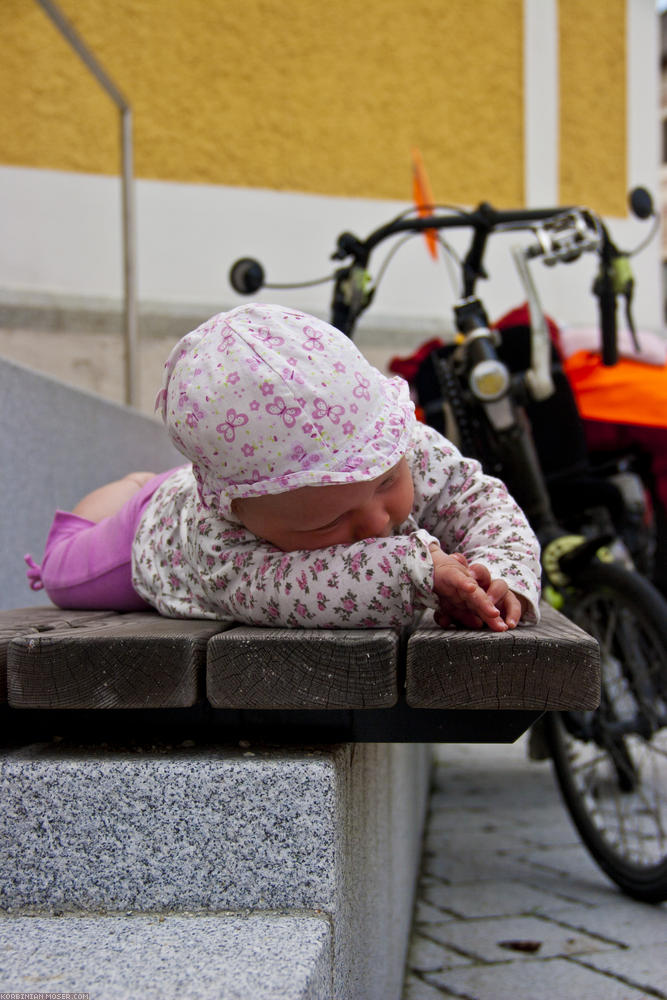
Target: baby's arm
(468,596)
(472,514)
(374,583)
(192,566)
(108,499)
(377,582)
(223,571)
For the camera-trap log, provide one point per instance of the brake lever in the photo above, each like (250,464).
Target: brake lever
(624,284)
(538,378)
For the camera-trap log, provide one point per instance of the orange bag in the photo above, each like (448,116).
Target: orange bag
(630,392)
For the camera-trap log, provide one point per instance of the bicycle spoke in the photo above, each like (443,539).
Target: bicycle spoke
(613,765)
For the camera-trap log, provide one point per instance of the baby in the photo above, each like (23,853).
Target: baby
(313,498)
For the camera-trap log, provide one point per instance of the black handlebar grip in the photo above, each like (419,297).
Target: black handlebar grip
(641,203)
(246,275)
(348,245)
(607,298)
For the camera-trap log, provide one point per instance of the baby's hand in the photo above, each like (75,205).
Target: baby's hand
(469,597)
(510,605)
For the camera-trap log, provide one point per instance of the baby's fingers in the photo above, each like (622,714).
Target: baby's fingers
(511,607)
(480,605)
(506,601)
(481,574)
(492,617)
(453,581)
(443,619)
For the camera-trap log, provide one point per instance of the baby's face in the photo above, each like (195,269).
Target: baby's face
(315,517)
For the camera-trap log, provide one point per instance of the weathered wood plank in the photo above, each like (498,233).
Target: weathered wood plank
(125,661)
(267,668)
(75,659)
(24,621)
(551,666)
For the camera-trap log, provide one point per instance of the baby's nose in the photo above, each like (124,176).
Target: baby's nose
(372,521)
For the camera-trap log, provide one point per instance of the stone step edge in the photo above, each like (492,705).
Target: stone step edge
(220,956)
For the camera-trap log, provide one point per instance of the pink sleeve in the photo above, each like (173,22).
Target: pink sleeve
(371,584)
(473,513)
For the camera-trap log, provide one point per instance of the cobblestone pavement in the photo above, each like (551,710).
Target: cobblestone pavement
(510,905)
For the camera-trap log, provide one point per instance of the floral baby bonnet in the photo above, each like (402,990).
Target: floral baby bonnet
(264,399)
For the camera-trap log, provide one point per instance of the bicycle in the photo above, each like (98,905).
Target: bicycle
(610,764)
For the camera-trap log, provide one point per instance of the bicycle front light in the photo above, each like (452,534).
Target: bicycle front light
(489,380)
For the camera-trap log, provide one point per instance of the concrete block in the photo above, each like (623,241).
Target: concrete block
(58,444)
(336,830)
(213,957)
(195,829)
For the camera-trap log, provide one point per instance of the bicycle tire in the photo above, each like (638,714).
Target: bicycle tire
(611,764)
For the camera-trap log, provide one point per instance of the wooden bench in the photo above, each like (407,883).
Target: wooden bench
(324,837)
(104,675)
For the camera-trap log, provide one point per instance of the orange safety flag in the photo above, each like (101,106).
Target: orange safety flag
(423,199)
(629,392)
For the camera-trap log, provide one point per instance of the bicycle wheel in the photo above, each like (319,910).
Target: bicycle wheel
(611,764)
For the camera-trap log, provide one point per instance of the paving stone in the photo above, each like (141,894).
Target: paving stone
(645,968)
(454,863)
(623,920)
(427,882)
(569,861)
(535,834)
(535,792)
(415,988)
(488,899)
(574,891)
(522,834)
(476,786)
(502,861)
(427,914)
(595,890)
(481,756)
(474,838)
(560,833)
(481,939)
(520,814)
(545,980)
(426,955)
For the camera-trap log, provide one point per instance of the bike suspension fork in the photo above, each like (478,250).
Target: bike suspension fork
(511,435)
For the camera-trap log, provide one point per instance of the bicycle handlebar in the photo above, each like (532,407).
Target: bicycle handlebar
(484,219)
(352,295)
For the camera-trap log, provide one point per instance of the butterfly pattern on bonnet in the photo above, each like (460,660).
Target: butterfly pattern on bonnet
(265,399)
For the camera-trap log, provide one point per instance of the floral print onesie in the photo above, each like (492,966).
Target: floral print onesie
(190,562)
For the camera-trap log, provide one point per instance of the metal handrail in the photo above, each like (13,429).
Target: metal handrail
(128,208)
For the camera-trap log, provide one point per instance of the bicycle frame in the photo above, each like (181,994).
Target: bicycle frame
(559,234)
(598,757)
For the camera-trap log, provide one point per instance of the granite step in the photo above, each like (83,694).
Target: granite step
(171,831)
(168,957)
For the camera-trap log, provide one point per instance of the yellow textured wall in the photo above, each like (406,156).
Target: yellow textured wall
(302,95)
(593,141)
(317,96)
